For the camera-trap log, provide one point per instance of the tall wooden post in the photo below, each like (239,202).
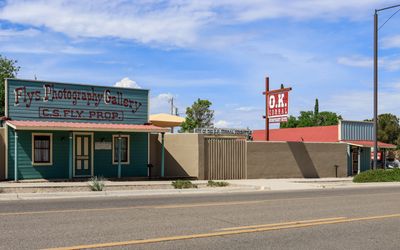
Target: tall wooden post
(162,154)
(70,155)
(16,156)
(266,109)
(119,156)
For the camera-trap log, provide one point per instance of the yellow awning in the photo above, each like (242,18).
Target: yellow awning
(166,120)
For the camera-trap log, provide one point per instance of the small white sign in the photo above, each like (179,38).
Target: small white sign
(102,145)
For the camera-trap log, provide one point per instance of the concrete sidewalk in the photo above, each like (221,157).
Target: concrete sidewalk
(51,190)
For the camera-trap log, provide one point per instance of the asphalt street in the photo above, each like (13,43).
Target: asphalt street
(366,218)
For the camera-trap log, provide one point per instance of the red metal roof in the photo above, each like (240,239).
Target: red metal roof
(306,134)
(370,144)
(83,126)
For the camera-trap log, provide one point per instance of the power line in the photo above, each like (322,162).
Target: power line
(388,19)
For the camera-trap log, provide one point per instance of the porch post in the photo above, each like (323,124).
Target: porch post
(384,158)
(162,154)
(16,156)
(119,156)
(71,150)
(359,160)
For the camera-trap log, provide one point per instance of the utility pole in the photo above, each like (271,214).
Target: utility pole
(172,111)
(375,132)
(172,105)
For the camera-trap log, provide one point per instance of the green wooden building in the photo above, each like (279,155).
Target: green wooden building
(64,131)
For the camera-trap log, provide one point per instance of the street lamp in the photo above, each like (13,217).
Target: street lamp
(375,133)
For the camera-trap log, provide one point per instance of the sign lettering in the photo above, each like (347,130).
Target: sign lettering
(80,114)
(91,98)
(280,107)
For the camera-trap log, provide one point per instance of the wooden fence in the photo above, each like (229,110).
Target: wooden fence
(225,158)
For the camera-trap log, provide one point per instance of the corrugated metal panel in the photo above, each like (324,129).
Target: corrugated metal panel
(355,130)
(225,158)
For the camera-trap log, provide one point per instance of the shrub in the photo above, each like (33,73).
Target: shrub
(379,175)
(179,184)
(212,183)
(96,183)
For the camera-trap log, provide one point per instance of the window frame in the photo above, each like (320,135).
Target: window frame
(50,163)
(128,150)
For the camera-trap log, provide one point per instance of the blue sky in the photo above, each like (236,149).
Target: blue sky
(217,50)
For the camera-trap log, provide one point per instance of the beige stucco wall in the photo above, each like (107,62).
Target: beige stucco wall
(183,155)
(295,160)
(2,153)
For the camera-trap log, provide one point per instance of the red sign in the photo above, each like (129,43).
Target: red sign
(278,103)
(378,156)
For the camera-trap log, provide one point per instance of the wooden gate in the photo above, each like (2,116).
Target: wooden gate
(225,158)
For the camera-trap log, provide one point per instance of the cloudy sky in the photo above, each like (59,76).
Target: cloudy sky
(217,50)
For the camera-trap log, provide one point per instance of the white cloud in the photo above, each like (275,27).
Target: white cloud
(127,83)
(357,105)
(160,103)
(391,42)
(23,33)
(222,124)
(50,49)
(356,61)
(174,23)
(391,65)
(387,63)
(247,108)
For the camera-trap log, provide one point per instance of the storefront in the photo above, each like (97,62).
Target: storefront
(60,131)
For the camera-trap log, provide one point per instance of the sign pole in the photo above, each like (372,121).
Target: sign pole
(266,109)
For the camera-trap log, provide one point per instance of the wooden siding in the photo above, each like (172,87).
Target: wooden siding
(365,159)
(36,106)
(59,170)
(2,153)
(137,166)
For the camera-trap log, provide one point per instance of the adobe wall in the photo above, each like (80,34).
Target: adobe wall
(296,160)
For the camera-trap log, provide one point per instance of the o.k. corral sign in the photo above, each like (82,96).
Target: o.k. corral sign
(276,106)
(33,100)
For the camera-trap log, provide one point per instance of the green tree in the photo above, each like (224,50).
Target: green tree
(291,123)
(388,128)
(199,115)
(316,107)
(312,118)
(8,69)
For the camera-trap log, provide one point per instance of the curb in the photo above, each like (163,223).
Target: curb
(121,193)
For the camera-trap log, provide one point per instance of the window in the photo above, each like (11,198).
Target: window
(42,149)
(124,149)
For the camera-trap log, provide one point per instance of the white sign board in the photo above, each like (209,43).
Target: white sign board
(103,145)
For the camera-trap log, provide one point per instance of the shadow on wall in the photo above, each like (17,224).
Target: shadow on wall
(296,160)
(303,159)
(172,167)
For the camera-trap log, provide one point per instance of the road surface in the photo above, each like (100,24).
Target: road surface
(367,218)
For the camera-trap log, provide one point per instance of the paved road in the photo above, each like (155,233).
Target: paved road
(321,219)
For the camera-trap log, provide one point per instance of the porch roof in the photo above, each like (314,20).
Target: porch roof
(369,144)
(83,126)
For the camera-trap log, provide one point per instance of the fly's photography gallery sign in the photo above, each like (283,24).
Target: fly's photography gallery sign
(77,104)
